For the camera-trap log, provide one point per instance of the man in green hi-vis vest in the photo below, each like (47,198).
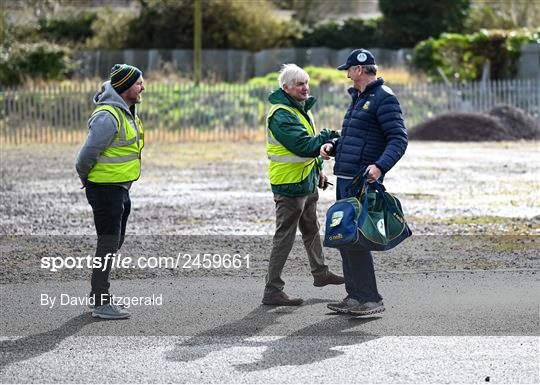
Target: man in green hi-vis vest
(107,164)
(295,171)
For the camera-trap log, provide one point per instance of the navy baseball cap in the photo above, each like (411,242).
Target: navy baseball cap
(358,57)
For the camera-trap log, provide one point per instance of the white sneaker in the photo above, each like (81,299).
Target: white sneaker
(110,311)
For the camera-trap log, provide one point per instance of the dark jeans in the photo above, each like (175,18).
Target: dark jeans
(111,207)
(358,270)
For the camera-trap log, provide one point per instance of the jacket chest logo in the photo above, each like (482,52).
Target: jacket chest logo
(365,107)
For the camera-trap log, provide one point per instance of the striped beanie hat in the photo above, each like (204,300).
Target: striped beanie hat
(124,76)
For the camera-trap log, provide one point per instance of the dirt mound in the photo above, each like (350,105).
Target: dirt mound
(517,122)
(500,123)
(459,127)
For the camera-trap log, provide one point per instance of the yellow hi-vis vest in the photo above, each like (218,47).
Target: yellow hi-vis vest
(121,161)
(286,167)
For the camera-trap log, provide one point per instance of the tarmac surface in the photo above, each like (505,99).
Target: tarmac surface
(442,327)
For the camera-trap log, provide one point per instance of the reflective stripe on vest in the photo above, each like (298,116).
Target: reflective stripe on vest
(286,167)
(120,162)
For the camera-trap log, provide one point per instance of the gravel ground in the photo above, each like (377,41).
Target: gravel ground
(470,206)
(459,293)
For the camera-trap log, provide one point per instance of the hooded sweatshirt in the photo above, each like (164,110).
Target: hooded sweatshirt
(102,128)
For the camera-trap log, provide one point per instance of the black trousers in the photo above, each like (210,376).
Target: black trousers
(111,207)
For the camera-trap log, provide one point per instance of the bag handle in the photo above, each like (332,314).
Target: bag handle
(381,190)
(363,213)
(361,180)
(358,180)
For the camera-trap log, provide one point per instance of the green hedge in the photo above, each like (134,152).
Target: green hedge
(352,32)
(462,57)
(69,30)
(42,60)
(317,76)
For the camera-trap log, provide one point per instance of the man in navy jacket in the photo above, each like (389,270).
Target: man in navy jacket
(373,138)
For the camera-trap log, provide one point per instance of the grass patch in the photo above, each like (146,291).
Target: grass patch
(420,196)
(493,225)
(186,154)
(512,243)
(483,220)
(189,221)
(482,264)
(262,222)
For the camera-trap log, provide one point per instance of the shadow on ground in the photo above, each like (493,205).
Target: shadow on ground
(23,349)
(293,349)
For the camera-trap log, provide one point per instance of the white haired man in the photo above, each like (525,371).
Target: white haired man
(295,170)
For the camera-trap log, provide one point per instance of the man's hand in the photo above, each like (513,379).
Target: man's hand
(325,150)
(374,173)
(323,181)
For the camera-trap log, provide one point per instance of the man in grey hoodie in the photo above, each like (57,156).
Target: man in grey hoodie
(107,164)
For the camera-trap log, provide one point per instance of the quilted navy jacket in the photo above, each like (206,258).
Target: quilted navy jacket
(372,133)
